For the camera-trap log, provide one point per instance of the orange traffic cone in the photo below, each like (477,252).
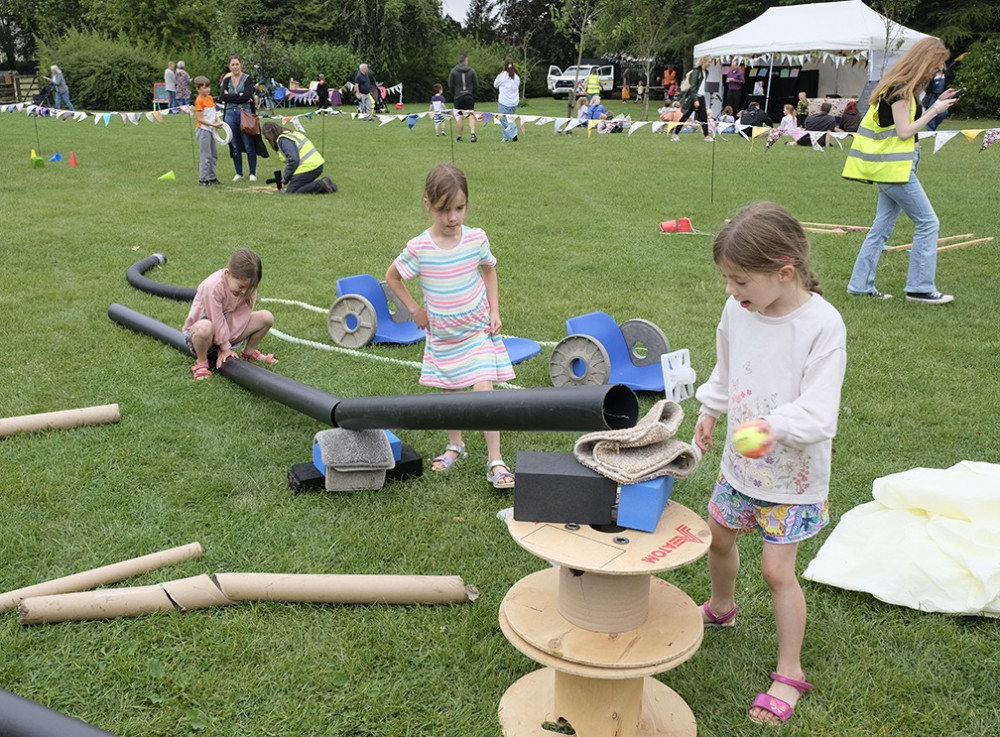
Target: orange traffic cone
(72,159)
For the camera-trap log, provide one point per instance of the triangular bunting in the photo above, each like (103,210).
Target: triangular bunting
(942,137)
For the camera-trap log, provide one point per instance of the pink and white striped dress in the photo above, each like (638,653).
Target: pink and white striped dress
(459,351)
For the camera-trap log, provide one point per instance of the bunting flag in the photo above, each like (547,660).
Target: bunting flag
(564,125)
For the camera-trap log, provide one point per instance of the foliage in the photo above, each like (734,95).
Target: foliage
(486,59)
(978,75)
(165,25)
(480,21)
(103,74)
(958,24)
(532,20)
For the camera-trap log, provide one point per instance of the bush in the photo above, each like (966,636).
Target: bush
(978,75)
(103,74)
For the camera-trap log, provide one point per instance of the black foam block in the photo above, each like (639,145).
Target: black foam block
(555,487)
(410,465)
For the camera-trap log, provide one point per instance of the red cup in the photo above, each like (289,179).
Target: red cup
(684,225)
(670,226)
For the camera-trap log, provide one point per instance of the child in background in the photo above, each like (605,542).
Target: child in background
(727,120)
(208,118)
(222,315)
(789,122)
(801,110)
(582,114)
(437,107)
(459,281)
(781,357)
(640,90)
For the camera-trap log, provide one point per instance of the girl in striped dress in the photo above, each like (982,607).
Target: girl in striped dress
(462,318)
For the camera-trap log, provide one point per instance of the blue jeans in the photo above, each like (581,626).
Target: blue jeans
(908,197)
(60,96)
(508,123)
(241,143)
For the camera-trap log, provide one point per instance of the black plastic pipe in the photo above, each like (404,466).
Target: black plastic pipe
(20,717)
(564,409)
(576,408)
(136,277)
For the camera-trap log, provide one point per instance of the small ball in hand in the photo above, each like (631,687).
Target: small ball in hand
(750,440)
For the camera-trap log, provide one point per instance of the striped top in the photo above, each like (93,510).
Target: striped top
(459,351)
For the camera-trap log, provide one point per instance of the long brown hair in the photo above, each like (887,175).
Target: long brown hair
(508,66)
(912,72)
(764,237)
(271,131)
(245,264)
(444,182)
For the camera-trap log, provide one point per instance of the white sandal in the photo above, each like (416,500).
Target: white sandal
(448,461)
(493,477)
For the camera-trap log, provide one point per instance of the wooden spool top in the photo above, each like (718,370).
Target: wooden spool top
(680,538)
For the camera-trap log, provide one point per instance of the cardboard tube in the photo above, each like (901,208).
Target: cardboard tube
(103,576)
(345,589)
(20,717)
(90,605)
(106,413)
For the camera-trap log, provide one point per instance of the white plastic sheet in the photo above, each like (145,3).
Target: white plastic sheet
(930,541)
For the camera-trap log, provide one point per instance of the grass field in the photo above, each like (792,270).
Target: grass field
(574,222)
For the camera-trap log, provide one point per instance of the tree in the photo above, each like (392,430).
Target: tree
(894,14)
(639,30)
(576,19)
(480,20)
(532,20)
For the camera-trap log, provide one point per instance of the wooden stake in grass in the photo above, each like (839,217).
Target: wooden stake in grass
(939,240)
(965,244)
(836,225)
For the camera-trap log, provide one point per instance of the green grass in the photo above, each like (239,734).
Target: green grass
(574,224)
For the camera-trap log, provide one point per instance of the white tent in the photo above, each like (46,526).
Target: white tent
(848,42)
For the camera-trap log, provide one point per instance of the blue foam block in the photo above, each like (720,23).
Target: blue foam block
(318,459)
(641,505)
(396,444)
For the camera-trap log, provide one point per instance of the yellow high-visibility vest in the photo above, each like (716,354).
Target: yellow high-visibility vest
(309,157)
(593,85)
(878,154)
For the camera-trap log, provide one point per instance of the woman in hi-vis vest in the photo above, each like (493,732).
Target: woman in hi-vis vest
(885,151)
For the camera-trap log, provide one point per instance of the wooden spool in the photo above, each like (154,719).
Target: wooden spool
(602,625)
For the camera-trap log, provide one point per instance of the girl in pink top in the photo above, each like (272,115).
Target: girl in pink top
(459,282)
(222,315)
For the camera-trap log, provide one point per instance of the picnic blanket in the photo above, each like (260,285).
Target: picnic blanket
(930,541)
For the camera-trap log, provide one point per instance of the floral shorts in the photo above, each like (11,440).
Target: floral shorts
(778,523)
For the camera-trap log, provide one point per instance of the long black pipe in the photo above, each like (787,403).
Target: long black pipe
(136,277)
(566,409)
(20,717)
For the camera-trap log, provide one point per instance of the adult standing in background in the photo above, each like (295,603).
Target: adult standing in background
(463,83)
(734,86)
(236,92)
(62,89)
(509,86)
(693,100)
(593,83)
(885,151)
(170,83)
(322,93)
(182,85)
(363,91)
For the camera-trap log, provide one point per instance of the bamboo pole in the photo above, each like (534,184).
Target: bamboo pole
(836,225)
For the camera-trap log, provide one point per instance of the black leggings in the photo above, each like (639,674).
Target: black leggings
(700,113)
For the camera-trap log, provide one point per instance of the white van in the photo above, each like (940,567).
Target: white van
(560,81)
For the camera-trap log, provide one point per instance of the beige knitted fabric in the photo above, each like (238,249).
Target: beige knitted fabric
(646,451)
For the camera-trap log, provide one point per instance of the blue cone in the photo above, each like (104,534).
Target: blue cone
(56,157)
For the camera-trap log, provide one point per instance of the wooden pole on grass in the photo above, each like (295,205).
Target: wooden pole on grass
(939,240)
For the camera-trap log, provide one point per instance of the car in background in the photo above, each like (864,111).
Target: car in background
(561,81)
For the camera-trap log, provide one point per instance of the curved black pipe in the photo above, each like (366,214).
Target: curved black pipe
(20,717)
(565,409)
(135,277)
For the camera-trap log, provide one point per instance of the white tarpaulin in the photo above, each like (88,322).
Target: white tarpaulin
(930,541)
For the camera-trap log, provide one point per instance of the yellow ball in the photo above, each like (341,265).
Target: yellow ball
(749,441)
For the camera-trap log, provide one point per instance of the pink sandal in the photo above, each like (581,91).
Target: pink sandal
(259,357)
(200,371)
(779,707)
(715,620)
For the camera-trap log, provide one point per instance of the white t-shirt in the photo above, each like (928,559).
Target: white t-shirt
(788,370)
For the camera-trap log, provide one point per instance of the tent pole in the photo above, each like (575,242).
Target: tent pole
(767,94)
